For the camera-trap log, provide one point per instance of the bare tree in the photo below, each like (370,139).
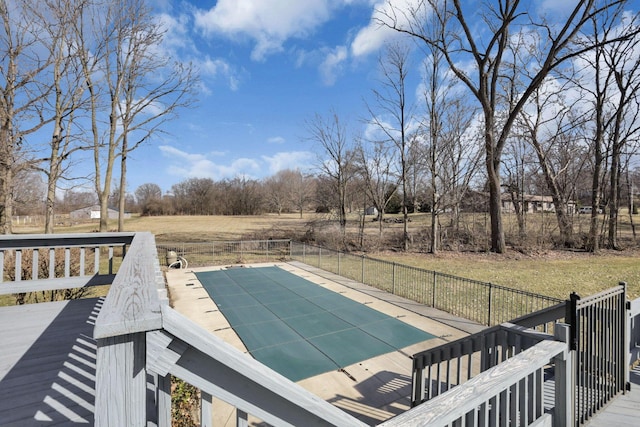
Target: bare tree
(126,77)
(54,18)
(302,190)
(463,42)
(194,196)
(147,192)
(29,191)
(278,190)
(374,162)
(446,129)
(145,103)
(554,126)
(393,116)
(336,158)
(22,94)
(609,101)
(244,196)
(75,199)
(623,59)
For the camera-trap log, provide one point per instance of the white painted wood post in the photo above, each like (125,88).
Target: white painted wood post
(164,400)
(18,266)
(206,409)
(121,383)
(563,412)
(241,418)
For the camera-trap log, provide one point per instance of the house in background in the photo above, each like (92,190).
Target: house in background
(93,212)
(532,204)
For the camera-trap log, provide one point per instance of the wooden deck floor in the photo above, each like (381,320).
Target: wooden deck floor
(624,411)
(47,363)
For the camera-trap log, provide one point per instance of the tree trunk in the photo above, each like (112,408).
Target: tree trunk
(495,205)
(123,185)
(631,204)
(519,209)
(434,231)
(594,241)
(50,206)
(614,195)
(6,207)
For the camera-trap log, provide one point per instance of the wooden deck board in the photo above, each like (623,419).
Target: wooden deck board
(624,410)
(47,376)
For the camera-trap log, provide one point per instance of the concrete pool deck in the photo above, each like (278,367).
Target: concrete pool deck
(372,390)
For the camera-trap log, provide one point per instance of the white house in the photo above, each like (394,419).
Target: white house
(93,212)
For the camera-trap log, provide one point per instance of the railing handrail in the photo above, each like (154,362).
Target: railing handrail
(528,334)
(450,406)
(133,303)
(241,378)
(38,241)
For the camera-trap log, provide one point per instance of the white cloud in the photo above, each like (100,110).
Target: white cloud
(372,37)
(276,140)
(188,165)
(176,30)
(289,160)
(196,165)
(269,23)
(219,68)
(332,64)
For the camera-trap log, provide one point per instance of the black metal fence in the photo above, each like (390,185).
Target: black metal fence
(598,328)
(222,253)
(483,302)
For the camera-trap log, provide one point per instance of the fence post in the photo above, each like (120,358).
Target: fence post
(572,317)
(304,253)
(362,275)
(433,292)
(319,257)
(489,308)
(339,256)
(626,333)
(393,280)
(267,250)
(564,393)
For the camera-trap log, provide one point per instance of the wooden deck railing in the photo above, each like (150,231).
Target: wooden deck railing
(510,393)
(141,342)
(442,368)
(39,262)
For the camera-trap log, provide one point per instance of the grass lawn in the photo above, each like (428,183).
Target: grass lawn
(554,273)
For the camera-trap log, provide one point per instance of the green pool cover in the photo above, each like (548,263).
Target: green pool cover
(301,329)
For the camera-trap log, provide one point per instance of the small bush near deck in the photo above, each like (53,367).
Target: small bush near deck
(184,404)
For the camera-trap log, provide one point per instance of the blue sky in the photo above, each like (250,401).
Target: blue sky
(267,67)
